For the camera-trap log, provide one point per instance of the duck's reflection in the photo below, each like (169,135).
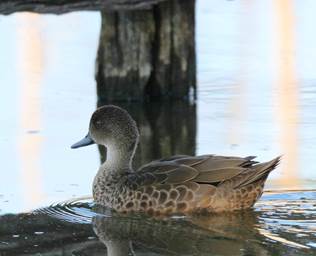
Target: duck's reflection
(166,129)
(276,227)
(225,234)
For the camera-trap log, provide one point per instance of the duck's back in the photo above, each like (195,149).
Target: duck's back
(185,185)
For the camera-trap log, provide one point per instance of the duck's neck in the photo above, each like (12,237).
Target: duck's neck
(119,157)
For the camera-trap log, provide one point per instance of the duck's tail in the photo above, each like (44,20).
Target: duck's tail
(258,172)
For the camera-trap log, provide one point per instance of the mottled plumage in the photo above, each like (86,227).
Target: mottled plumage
(179,184)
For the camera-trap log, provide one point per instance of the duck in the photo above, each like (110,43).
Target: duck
(179,184)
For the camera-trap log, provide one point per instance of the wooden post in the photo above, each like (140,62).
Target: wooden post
(147,53)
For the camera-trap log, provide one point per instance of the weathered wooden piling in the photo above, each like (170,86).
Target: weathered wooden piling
(65,6)
(146,48)
(145,54)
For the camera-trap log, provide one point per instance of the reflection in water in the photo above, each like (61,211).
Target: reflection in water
(281,224)
(30,67)
(238,103)
(166,129)
(287,92)
(215,235)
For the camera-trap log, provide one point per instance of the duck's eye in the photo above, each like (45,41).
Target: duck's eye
(98,123)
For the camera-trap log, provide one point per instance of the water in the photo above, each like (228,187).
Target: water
(256,96)
(281,224)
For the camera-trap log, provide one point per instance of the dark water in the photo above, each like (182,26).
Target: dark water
(256,96)
(281,224)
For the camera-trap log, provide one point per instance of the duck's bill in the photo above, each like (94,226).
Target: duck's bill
(86,141)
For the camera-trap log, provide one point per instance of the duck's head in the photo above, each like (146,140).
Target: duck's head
(111,126)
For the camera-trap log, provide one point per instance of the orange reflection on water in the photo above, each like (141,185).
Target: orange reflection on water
(30,67)
(238,103)
(287,93)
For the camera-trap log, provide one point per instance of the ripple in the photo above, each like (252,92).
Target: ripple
(286,217)
(77,210)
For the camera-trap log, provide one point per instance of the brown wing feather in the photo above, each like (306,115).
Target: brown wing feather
(178,169)
(257,172)
(193,160)
(184,183)
(221,162)
(218,175)
(158,173)
(181,174)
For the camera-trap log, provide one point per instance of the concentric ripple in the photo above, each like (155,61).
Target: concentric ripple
(78,210)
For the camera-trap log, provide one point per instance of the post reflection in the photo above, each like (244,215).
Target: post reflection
(277,226)
(30,66)
(287,94)
(166,128)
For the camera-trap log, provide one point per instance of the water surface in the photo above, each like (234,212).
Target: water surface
(281,224)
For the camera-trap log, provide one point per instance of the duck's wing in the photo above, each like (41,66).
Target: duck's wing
(206,169)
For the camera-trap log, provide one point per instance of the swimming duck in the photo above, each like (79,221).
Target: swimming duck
(178,184)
